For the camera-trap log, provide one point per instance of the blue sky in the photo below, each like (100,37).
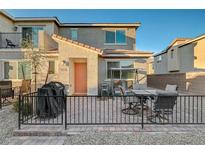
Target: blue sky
(158,27)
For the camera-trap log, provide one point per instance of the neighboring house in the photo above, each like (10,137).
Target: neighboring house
(181,56)
(181,63)
(79,55)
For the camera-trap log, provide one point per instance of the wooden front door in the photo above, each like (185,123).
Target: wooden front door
(80,78)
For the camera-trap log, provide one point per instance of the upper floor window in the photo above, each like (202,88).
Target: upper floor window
(159,58)
(172,53)
(115,37)
(31,34)
(74,34)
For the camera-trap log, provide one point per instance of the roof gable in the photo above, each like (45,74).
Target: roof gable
(82,45)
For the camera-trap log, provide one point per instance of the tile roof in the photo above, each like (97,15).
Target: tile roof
(124,51)
(193,40)
(99,51)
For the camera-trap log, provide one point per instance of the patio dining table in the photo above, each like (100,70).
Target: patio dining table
(144,93)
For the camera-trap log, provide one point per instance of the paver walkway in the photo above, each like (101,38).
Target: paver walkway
(36,140)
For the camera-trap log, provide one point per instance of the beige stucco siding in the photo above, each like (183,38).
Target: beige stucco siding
(192,56)
(96,37)
(6,25)
(173,61)
(10,54)
(56,29)
(199,54)
(186,58)
(1,70)
(160,67)
(48,26)
(69,54)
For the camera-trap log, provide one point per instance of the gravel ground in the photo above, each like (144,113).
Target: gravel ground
(8,122)
(140,138)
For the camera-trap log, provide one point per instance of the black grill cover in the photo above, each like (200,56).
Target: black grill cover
(51,99)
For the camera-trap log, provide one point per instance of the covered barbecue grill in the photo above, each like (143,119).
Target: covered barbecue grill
(51,99)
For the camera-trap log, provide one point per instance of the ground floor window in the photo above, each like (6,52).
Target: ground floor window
(17,70)
(120,74)
(51,67)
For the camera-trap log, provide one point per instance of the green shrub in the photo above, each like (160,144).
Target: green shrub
(16,106)
(26,108)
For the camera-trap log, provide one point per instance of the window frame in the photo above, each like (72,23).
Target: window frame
(16,64)
(115,43)
(108,79)
(54,71)
(159,58)
(172,54)
(33,27)
(74,29)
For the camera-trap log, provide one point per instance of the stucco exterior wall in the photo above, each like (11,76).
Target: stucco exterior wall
(56,28)
(173,62)
(192,57)
(68,54)
(199,54)
(186,58)
(96,37)
(1,70)
(46,42)
(6,25)
(161,67)
(11,54)
(190,82)
(150,65)
(48,26)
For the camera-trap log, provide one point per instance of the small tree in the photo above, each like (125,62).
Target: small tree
(36,56)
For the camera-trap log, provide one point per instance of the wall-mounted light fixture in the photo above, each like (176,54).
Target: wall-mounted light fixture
(65,62)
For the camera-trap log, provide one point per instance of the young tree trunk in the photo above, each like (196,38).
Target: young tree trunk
(47,74)
(35,80)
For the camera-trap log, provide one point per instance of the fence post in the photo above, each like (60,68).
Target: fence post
(65,113)
(0,99)
(142,108)
(19,115)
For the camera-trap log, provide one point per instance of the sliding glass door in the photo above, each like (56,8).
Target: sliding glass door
(31,34)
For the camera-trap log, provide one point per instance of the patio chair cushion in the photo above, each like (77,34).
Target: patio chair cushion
(172,88)
(166,93)
(138,86)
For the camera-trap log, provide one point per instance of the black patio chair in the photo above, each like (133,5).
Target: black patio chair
(6,91)
(163,107)
(130,99)
(9,43)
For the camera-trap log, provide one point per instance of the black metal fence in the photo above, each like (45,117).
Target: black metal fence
(37,110)
(97,110)
(10,40)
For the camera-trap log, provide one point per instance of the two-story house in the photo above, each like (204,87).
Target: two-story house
(78,54)
(182,55)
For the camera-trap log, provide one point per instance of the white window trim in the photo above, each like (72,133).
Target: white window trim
(16,61)
(115,38)
(117,60)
